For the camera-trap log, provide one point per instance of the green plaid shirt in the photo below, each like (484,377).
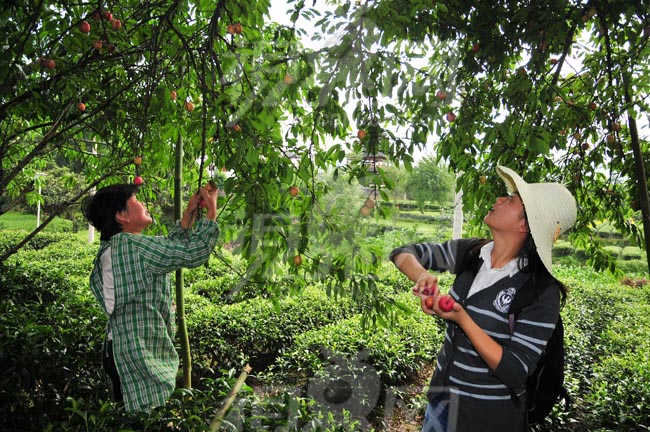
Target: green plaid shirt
(143,321)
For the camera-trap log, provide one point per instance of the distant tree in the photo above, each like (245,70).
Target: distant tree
(430,181)
(60,185)
(399,178)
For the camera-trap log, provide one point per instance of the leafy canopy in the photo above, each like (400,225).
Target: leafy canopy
(552,90)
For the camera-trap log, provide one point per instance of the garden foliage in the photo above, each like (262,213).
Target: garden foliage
(51,336)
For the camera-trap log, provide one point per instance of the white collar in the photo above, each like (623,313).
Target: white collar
(510,268)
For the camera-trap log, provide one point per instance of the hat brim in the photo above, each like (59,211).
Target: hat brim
(550,210)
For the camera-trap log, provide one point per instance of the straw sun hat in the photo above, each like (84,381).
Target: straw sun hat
(550,208)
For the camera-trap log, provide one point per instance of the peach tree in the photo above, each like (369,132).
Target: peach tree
(113,89)
(556,92)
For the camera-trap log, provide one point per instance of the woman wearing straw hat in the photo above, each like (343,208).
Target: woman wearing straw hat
(481,363)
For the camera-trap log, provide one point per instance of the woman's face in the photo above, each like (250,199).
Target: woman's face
(507,214)
(135,218)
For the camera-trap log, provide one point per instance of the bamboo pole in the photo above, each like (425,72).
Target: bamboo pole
(216,422)
(186,358)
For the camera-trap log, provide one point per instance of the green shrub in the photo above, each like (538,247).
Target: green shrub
(633,266)
(222,262)
(607,231)
(39,241)
(49,346)
(395,283)
(619,393)
(224,289)
(221,280)
(194,303)
(71,256)
(51,331)
(397,352)
(581,254)
(631,253)
(600,340)
(257,330)
(61,225)
(614,251)
(563,248)
(192,410)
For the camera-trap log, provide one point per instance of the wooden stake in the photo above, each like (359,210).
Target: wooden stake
(216,422)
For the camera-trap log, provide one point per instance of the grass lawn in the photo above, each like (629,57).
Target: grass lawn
(424,229)
(16,221)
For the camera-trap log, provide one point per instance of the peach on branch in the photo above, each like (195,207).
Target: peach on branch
(48,63)
(84,27)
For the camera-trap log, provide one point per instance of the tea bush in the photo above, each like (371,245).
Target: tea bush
(621,380)
(633,266)
(631,253)
(39,241)
(51,332)
(618,396)
(257,330)
(615,251)
(221,279)
(49,347)
(397,352)
(563,248)
(607,327)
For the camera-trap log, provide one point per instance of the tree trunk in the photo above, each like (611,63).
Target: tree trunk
(457,230)
(181,325)
(639,169)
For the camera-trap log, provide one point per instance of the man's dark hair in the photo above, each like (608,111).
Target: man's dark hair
(100,209)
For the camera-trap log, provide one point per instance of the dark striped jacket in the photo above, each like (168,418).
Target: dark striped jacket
(485,397)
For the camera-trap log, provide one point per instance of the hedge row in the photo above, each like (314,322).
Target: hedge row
(256,330)
(607,334)
(50,345)
(52,331)
(444,219)
(630,259)
(39,241)
(397,352)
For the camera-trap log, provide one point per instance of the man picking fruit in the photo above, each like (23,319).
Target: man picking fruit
(131,282)
(481,369)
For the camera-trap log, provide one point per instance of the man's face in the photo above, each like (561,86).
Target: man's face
(135,218)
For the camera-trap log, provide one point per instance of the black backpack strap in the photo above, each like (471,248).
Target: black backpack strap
(526,295)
